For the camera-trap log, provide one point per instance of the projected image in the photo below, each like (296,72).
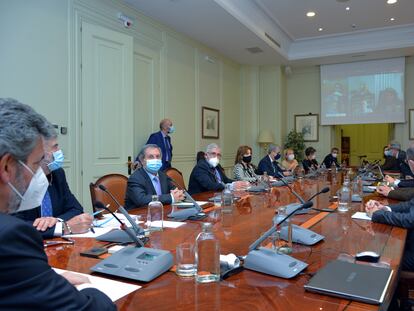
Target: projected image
(363,92)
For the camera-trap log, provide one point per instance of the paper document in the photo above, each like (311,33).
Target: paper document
(361,215)
(90,234)
(108,221)
(168,224)
(113,289)
(189,204)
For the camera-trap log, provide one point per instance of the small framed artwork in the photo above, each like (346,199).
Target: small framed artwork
(308,125)
(411,123)
(210,122)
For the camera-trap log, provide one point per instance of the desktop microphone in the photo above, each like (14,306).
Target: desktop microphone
(138,230)
(268,261)
(194,213)
(138,242)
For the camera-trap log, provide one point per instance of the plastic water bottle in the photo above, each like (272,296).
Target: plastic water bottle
(344,197)
(155,218)
(207,255)
(282,246)
(227,196)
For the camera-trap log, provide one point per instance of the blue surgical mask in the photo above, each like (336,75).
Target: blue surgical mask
(57,162)
(153,165)
(171,129)
(388,153)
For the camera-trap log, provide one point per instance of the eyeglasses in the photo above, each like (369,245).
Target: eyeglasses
(215,154)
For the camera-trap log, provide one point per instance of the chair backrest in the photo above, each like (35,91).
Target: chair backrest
(176,175)
(116,184)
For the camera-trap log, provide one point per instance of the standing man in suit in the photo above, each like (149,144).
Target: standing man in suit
(60,212)
(270,165)
(163,140)
(149,180)
(27,280)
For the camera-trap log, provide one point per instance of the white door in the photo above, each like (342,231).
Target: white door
(107,104)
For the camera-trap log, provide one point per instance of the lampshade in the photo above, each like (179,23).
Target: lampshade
(265,137)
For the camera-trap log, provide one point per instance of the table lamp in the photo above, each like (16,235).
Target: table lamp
(265,138)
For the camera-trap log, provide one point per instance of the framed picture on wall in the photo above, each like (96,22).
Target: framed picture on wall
(308,125)
(411,123)
(210,122)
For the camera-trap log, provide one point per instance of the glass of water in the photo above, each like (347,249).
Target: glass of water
(185,260)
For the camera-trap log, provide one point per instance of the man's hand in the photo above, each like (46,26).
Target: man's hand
(287,173)
(177,194)
(240,185)
(80,223)
(372,206)
(44,223)
(75,279)
(384,190)
(389,179)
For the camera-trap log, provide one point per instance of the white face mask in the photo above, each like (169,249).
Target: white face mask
(213,162)
(291,157)
(35,192)
(334,155)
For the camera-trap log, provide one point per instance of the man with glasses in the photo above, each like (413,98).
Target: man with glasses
(27,280)
(207,175)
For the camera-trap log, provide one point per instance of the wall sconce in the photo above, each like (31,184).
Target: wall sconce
(265,138)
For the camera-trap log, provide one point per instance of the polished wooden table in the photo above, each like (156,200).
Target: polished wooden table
(251,216)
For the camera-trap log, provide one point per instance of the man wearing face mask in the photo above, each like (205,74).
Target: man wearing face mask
(270,165)
(27,281)
(60,212)
(149,180)
(332,158)
(163,140)
(208,175)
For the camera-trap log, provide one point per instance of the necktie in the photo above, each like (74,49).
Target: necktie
(218,177)
(46,207)
(157,185)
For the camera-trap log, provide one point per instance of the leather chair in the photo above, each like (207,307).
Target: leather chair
(405,285)
(177,176)
(116,184)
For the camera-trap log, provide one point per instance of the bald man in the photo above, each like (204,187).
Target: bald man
(163,140)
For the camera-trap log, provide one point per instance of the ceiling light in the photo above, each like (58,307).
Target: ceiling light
(347,8)
(392,19)
(320,29)
(310,14)
(392,1)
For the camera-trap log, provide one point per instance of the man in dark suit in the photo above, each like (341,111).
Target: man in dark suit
(149,180)
(207,175)
(163,140)
(270,165)
(59,205)
(331,159)
(27,281)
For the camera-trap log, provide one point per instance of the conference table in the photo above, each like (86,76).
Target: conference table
(237,227)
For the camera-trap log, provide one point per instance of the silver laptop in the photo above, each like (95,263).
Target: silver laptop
(351,281)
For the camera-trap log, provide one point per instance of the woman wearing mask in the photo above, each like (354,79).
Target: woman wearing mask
(310,163)
(289,162)
(332,158)
(243,168)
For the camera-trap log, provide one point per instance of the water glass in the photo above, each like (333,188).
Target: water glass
(217,199)
(185,260)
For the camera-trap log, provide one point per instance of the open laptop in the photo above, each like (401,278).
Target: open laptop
(351,281)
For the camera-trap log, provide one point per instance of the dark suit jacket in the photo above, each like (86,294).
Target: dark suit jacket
(402,215)
(64,203)
(401,194)
(29,283)
(203,179)
(391,164)
(406,183)
(308,164)
(158,139)
(271,167)
(329,159)
(140,189)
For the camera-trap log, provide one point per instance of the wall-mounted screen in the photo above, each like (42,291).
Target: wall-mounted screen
(363,92)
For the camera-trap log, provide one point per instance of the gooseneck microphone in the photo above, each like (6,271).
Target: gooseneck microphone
(138,230)
(138,242)
(269,232)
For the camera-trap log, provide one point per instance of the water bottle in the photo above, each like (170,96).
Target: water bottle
(155,218)
(333,168)
(266,181)
(227,196)
(344,197)
(282,246)
(207,255)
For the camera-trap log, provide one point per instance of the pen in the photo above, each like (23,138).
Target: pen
(93,231)
(53,243)
(96,213)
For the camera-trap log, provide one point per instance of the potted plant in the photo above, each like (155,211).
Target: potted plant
(295,141)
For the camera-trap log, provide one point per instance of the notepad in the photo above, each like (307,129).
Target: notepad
(113,289)
(361,215)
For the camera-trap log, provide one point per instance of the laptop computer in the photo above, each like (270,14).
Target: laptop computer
(351,281)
